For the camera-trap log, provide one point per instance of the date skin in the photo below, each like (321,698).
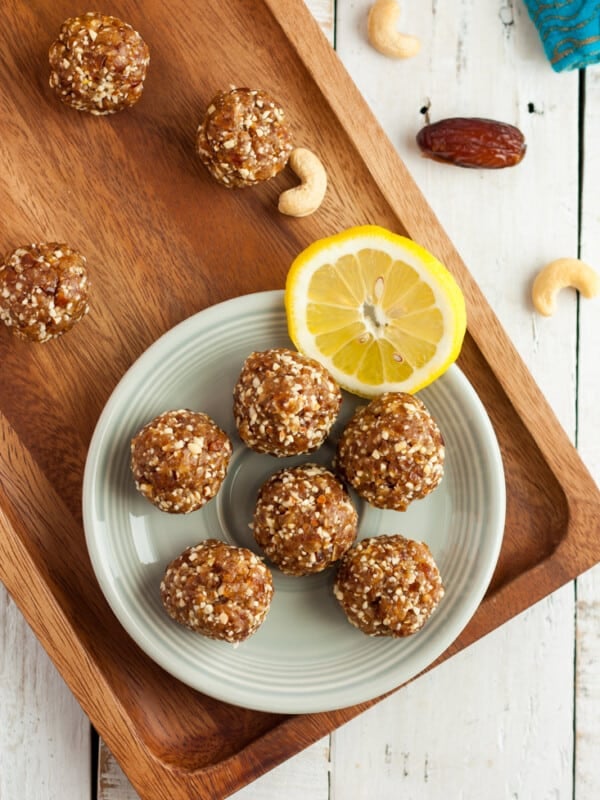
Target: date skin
(472,142)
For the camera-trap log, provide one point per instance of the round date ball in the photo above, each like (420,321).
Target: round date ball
(284,403)
(304,519)
(179,460)
(244,138)
(44,290)
(388,585)
(218,590)
(391,451)
(98,64)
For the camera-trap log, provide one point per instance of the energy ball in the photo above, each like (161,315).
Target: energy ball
(179,460)
(244,137)
(44,290)
(304,519)
(218,590)
(391,451)
(284,403)
(98,64)
(388,585)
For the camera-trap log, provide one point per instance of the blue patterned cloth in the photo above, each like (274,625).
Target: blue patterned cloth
(570,31)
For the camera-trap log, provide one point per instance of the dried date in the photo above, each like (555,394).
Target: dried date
(472,142)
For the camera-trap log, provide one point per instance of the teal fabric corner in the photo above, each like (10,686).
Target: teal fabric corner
(569,30)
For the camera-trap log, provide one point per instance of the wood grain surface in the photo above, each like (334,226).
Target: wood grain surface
(163,241)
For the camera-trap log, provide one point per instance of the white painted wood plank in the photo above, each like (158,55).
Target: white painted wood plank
(45,748)
(500,715)
(589,329)
(111,780)
(323,12)
(587,697)
(304,776)
(481,725)
(587,686)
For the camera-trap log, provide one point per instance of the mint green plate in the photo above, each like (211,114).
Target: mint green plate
(306,657)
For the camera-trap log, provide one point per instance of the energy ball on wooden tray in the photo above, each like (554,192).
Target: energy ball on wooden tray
(219,590)
(284,403)
(98,64)
(244,137)
(179,460)
(304,519)
(44,290)
(391,451)
(388,585)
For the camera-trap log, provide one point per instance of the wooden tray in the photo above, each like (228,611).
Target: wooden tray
(163,241)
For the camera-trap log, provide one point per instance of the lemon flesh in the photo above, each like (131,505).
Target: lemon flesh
(379,311)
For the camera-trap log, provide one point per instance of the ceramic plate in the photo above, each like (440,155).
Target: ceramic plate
(306,657)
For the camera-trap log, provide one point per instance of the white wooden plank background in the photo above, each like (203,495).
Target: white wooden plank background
(44,736)
(518,714)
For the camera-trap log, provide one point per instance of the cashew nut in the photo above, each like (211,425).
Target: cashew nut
(556,276)
(383,34)
(302,200)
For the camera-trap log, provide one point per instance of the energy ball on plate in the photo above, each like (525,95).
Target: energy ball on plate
(388,585)
(179,460)
(98,64)
(244,137)
(391,451)
(218,590)
(44,290)
(304,519)
(284,403)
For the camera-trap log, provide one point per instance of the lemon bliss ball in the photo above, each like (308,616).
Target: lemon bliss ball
(304,519)
(179,460)
(44,290)
(388,585)
(218,590)
(244,137)
(284,403)
(392,451)
(98,64)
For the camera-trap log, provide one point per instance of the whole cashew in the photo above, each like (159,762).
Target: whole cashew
(302,200)
(383,34)
(558,275)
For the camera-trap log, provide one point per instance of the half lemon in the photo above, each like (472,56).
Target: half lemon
(380,312)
